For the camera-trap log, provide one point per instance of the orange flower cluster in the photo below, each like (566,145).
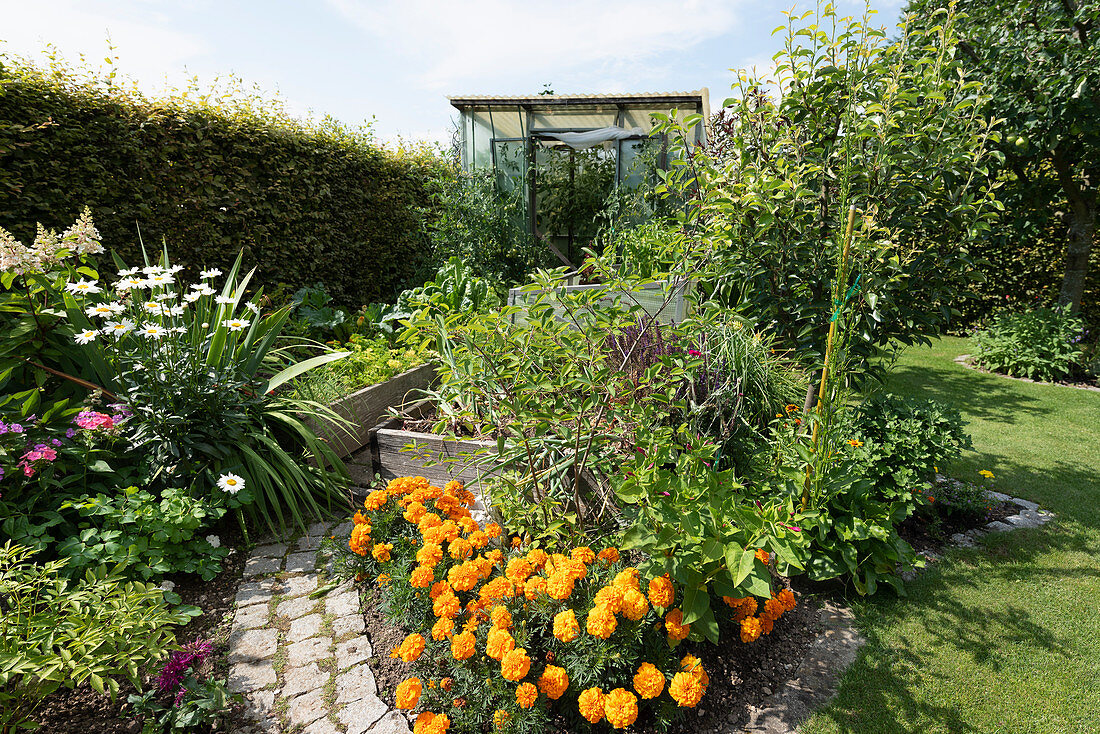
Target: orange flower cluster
(649,682)
(553,682)
(408,693)
(674,623)
(429,723)
(526,695)
(689,685)
(410,648)
(753,627)
(621,708)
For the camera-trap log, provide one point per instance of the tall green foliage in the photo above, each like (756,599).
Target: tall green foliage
(891,126)
(214,175)
(1038,62)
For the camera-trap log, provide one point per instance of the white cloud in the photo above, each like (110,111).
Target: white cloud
(149,47)
(447,45)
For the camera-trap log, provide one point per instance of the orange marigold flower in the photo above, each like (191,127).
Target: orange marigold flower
(430,554)
(493,530)
(601,622)
(438,588)
(773,608)
(686,689)
(609,555)
(674,623)
(610,597)
(463,645)
(428,521)
(423,721)
(534,587)
(446,684)
(591,704)
(526,695)
(501,617)
(566,628)
(537,557)
(498,588)
(478,539)
(553,682)
(500,643)
(515,664)
(584,554)
(496,556)
(452,486)
(692,664)
(447,605)
(649,681)
(460,549)
(519,569)
(439,725)
(443,628)
(360,539)
(766,624)
(763,556)
(517,541)
(381,551)
(468,525)
(359,518)
(464,576)
(410,648)
(627,579)
(751,629)
(661,592)
(634,605)
(375,500)
(422,577)
(621,708)
(559,586)
(786,598)
(414,512)
(408,693)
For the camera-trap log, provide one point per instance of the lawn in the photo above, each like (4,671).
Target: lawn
(1004,637)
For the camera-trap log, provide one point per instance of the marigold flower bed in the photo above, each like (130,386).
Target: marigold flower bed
(512,639)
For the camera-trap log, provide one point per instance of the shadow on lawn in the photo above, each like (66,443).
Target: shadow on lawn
(979,395)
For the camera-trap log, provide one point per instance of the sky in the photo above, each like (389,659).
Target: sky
(396,61)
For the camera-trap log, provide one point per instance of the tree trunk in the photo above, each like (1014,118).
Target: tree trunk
(1082,232)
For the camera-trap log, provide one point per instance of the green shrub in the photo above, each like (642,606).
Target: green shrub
(58,632)
(152,537)
(1044,344)
(214,175)
(369,362)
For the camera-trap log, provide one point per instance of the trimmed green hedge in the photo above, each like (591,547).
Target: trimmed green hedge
(307,202)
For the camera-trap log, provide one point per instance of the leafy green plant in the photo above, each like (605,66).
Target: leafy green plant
(197,700)
(150,536)
(311,304)
(56,632)
(1043,344)
(369,362)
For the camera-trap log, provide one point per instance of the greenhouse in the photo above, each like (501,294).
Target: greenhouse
(569,150)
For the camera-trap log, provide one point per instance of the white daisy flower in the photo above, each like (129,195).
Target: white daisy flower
(128,272)
(192,296)
(100,309)
(203,290)
(83,287)
(214,540)
(180,329)
(88,335)
(152,331)
(176,310)
(252,307)
(230,483)
(224,299)
(131,282)
(118,328)
(166,295)
(175,269)
(152,270)
(236,324)
(157,279)
(211,273)
(151,306)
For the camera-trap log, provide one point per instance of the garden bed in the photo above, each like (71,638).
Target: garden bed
(967,361)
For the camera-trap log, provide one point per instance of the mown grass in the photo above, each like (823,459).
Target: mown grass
(1004,637)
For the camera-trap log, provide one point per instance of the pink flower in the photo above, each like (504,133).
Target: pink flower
(695,353)
(91,420)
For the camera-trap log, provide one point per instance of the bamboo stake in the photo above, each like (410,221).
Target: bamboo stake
(829,346)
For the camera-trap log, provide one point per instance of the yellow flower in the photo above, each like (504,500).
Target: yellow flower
(986,473)
(408,693)
(855,442)
(591,705)
(526,695)
(500,718)
(430,554)
(751,629)
(621,708)
(649,681)
(627,579)
(583,554)
(515,664)
(376,499)
(609,555)
(553,682)
(422,577)
(443,628)
(610,597)
(559,586)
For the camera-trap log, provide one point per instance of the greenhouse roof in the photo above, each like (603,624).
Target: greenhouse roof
(551,100)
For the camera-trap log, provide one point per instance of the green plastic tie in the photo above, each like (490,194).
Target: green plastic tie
(847,297)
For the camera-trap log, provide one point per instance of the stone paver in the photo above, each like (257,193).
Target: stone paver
(391,723)
(352,652)
(252,645)
(307,708)
(257,565)
(254,592)
(299,585)
(321,726)
(344,626)
(300,680)
(272,550)
(358,717)
(355,685)
(303,628)
(342,604)
(301,562)
(251,617)
(245,677)
(308,651)
(294,608)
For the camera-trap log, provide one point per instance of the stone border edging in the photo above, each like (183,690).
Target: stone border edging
(964,360)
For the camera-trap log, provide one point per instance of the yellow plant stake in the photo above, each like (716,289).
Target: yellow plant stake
(843,279)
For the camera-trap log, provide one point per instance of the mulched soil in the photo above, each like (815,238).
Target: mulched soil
(741,676)
(83,711)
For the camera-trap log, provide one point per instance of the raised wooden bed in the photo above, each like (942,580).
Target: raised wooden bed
(450,458)
(363,409)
